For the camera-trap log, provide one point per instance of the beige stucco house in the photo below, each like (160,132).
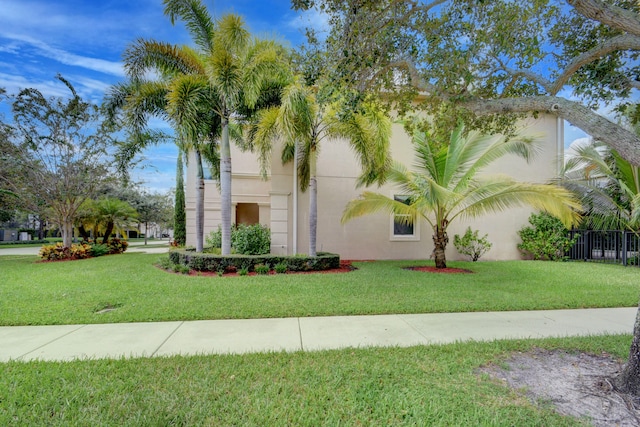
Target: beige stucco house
(277,203)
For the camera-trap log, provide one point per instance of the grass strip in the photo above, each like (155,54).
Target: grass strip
(434,385)
(36,293)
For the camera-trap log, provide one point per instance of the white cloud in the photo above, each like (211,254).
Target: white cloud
(312,18)
(68,58)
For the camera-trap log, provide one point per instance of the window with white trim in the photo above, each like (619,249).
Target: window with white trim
(400,229)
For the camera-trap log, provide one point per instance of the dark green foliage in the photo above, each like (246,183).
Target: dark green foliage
(245,239)
(472,245)
(251,239)
(211,262)
(99,250)
(24,242)
(546,239)
(180,216)
(280,268)
(261,268)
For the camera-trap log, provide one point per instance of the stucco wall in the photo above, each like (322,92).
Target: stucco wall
(368,237)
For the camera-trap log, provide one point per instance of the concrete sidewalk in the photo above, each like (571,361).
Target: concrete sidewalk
(69,342)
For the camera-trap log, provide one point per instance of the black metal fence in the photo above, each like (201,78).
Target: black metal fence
(610,246)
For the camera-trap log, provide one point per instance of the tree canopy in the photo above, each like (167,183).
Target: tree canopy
(494,58)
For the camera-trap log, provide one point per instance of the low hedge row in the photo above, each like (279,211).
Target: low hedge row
(217,263)
(23,242)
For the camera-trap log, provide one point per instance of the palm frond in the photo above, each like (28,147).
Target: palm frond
(168,60)
(196,18)
(498,193)
(370,202)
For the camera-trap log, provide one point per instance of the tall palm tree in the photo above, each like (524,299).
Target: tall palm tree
(302,123)
(181,96)
(237,68)
(446,185)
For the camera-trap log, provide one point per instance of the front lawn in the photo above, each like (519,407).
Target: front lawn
(425,386)
(35,293)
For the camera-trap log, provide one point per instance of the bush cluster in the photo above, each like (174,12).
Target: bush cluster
(86,249)
(546,238)
(245,239)
(58,252)
(216,263)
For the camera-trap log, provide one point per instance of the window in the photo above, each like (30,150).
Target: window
(400,230)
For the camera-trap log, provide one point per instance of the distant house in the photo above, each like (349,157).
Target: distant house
(277,203)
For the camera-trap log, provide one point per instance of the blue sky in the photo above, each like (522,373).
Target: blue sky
(84,40)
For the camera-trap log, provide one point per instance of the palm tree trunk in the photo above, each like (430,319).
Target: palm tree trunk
(199,203)
(313,203)
(440,240)
(628,381)
(225,187)
(107,233)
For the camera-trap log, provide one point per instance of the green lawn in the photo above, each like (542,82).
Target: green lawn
(425,386)
(34,293)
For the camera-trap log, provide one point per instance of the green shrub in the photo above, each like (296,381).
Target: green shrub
(179,268)
(99,250)
(214,239)
(165,263)
(245,239)
(280,268)
(243,271)
(261,268)
(546,238)
(472,245)
(251,239)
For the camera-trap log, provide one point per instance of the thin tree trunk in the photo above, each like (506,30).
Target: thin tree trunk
(440,240)
(107,233)
(313,204)
(83,232)
(146,232)
(225,187)
(199,203)
(628,381)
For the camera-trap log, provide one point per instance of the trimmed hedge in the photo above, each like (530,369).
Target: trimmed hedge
(23,242)
(217,263)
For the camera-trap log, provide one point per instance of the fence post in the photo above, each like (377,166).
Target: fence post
(624,248)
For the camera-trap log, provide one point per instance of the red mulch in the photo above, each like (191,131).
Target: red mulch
(448,270)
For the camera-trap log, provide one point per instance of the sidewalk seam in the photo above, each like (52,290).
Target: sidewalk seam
(52,341)
(167,338)
(300,335)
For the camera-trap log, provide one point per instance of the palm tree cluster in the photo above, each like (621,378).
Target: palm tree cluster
(200,91)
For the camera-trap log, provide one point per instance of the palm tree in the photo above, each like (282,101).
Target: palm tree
(181,96)
(114,215)
(302,123)
(445,185)
(607,184)
(239,70)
